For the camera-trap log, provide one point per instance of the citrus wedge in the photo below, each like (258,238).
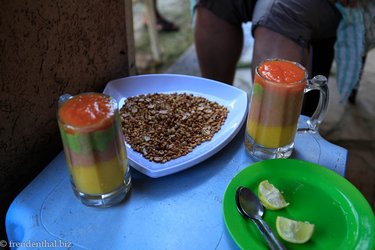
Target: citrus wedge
(270,196)
(294,231)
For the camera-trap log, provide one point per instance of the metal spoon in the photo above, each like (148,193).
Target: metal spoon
(250,207)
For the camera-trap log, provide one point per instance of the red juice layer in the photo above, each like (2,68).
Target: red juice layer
(89,158)
(87,110)
(278,107)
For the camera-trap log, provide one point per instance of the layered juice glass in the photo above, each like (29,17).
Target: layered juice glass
(275,106)
(94,148)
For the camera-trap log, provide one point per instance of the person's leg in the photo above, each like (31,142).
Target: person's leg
(218,45)
(270,44)
(289,28)
(322,57)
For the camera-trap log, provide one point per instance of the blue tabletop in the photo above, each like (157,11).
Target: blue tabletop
(179,211)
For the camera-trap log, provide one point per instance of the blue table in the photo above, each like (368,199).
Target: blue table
(180,211)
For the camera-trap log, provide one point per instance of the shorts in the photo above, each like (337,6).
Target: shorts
(302,21)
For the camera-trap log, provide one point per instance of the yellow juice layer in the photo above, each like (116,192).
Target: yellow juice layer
(271,136)
(101,178)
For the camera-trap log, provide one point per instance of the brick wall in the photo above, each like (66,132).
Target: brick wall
(48,48)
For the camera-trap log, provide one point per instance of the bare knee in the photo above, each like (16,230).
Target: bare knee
(270,44)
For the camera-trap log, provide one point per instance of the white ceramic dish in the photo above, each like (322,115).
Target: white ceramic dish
(232,98)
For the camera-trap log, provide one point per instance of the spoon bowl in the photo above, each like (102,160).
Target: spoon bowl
(248,204)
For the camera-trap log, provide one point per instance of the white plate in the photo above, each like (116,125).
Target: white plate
(232,98)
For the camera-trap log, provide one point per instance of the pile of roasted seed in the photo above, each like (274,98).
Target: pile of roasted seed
(163,127)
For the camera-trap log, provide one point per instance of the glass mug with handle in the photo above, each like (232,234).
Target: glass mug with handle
(275,106)
(94,147)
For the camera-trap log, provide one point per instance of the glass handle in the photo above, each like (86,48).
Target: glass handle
(63,98)
(319,82)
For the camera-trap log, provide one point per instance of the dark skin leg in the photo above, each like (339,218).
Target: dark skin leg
(323,54)
(219,46)
(270,44)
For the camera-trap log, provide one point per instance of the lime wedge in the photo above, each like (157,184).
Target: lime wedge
(294,231)
(270,196)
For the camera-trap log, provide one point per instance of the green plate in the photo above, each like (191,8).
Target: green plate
(343,218)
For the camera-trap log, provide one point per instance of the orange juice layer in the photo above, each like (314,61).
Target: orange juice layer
(101,178)
(281,71)
(271,136)
(87,110)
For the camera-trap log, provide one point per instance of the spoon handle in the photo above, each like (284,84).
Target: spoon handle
(270,235)
(265,235)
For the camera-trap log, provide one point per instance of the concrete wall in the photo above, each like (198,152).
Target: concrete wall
(47,48)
